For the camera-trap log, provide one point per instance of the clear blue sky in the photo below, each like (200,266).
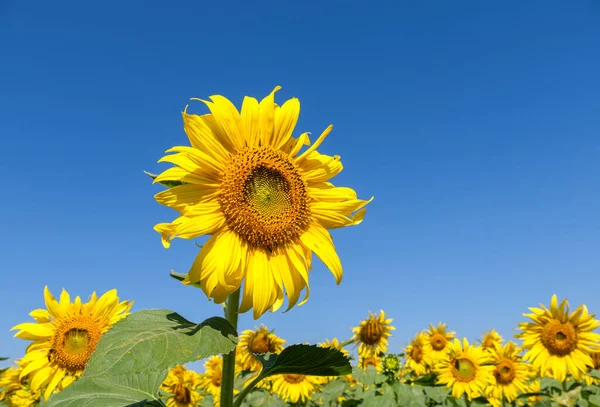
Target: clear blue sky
(475,126)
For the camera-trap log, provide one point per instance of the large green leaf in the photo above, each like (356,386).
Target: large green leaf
(116,391)
(158,339)
(133,357)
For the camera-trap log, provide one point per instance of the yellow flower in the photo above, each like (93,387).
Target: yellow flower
(375,361)
(417,358)
(558,342)
(372,333)
(596,366)
(464,369)
(294,388)
(491,340)
(266,204)
(10,382)
(257,341)
(64,337)
(210,380)
(436,341)
(511,375)
(183,385)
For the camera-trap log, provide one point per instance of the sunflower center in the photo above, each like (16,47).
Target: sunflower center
(559,338)
(293,378)
(371,332)
(438,341)
(182,394)
(505,372)
(464,370)
(263,197)
(260,343)
(416,354)
(74,342)
(216,380)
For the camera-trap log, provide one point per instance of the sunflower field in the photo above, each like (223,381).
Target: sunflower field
(265,201)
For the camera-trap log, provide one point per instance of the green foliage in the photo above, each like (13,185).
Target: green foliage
(307,360)
(132,359)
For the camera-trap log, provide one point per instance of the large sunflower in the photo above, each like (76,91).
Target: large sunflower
(511,375)
(372,333)
(182,384)
(257,341)
(64,337)
(558,342)
(266,203)
(464,369)
(436,341)
(417,358)
(294,388)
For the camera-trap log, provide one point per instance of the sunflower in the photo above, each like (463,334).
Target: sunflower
(491,340)
(334,344)
(375,361)
(417,358)
(15,391)
(258,341)
(210,380)
(294,388)
(10,382)
(436,341)
(372,333)
(464,369)
(266,204)
(183,385)
(596,366)
(64,337)
(558,342)
(510,373)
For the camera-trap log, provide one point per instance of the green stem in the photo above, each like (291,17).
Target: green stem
(231,314)
(346,343)
(467,401)
(248,389)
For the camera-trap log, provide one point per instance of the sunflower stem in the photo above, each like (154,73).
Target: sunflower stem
(346,343)
(231,314)
(467,401)
(248,389)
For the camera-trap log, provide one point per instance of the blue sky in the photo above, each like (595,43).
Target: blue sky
(475,126)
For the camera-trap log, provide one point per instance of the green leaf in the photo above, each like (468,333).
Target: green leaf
(595,374)
(594,400)
(309,360)
(548,383)
(168,184)
(437,394)
(263,398)
(153,340)
(3,358)
(118,391)
(133,357)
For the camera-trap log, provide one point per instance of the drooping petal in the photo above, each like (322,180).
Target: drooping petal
(332,215)
(319,167)
(318,240)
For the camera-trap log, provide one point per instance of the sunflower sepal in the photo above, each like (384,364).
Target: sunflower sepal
(168,184)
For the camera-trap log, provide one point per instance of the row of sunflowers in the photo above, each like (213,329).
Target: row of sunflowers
(555,364)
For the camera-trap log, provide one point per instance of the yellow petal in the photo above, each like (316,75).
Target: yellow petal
(267,118)
(202,136)
(52,305)
(58,376)
(326,191)
(179,174)
(315,145)
(319,167)
(34,331)
(317,239)
(250,121)
(228,121)
(332,215)
(285,118)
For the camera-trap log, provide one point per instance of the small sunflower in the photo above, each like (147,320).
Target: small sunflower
(511,375)
(374,361)
(417,358)
(183,386)
(267,204)
(25,397)
(596,366)
(10,382)
(372,333)
(559,343)
(335,344)
(436,341)
(210,380)
(257,341)
(465,370)
(294,388)
(491,340)
(15,391)
(64,337)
